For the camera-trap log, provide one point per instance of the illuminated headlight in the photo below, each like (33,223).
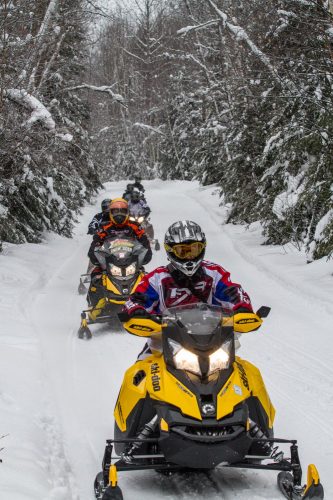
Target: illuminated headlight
(115,270)
(130,270)
(141,219)
(184,359)
(132,219)
(219,360)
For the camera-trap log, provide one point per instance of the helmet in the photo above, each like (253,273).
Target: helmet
(105,205)
(129,187)
(185,244)
(135,195)
(119,211)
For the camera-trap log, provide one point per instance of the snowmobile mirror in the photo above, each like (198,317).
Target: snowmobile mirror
(263,311)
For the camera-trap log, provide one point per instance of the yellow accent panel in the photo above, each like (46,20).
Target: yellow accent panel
(141,275)
(107,283)
(164,426)
(130,394)
(246,380)
(246,322)
(258,388)
(160,385)
(312,478)
(232,393)
(97,310)
(163,386)
(142,327)
(113,476)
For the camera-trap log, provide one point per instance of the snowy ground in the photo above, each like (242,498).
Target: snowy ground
(57,393)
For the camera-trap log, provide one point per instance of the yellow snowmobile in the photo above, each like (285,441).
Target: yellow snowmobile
(198,405)
(121,261)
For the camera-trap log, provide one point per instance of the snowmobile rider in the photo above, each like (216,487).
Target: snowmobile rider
(128,193)
(137,205)
(101,217)
(117,226)
(187,279)
(137,184)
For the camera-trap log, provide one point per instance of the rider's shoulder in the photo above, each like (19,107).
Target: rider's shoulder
(159,272)
(213,267)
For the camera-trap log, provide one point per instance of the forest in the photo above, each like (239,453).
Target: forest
(233,93)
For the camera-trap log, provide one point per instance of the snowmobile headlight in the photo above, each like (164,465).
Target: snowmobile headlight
(219,360)
(141,219)
(184,359)
(132,219)
(115,270)
(130,270)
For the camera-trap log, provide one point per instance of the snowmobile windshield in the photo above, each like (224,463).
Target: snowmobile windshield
(118,248)
(198,319)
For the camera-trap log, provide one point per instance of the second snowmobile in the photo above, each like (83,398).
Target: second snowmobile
(195,405)
(121,261)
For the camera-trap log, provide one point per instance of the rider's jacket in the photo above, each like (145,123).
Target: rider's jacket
(164,288)
(138,208)
(111,230)
(97,221)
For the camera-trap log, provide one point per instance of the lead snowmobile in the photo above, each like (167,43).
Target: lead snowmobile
(121,261)
(198,405)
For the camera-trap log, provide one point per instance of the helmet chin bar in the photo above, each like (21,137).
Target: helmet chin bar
(188,268)
(119,219)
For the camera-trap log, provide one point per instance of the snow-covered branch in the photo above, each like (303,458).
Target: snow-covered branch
(39,111)
(188,29)
(104,88)
(149,127)
(241,35)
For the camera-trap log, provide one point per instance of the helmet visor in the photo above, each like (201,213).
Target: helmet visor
(119,211)
(187,251)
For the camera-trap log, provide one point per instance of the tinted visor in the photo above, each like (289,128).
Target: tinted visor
(119,211)
(187,251)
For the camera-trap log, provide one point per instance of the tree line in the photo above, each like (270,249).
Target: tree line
(232,92)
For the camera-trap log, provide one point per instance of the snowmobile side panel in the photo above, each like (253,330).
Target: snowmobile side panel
(130,394)
(258,388)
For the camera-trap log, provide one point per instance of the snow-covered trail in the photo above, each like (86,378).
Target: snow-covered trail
(79,381)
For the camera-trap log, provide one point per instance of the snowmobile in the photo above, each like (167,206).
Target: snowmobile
(194,405)
(121,260)
(144,221)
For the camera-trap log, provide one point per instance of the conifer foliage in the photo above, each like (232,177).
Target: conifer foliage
(237,93)
(46,171)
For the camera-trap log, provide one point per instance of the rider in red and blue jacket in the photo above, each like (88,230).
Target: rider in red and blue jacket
(187,279)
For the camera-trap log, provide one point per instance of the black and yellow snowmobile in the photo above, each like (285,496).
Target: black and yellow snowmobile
(121,261)
(198,405)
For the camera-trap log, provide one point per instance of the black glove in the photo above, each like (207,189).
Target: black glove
(233,294)
(139,312)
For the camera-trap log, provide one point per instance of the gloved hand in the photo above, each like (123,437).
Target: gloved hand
(233,294)
(140,312)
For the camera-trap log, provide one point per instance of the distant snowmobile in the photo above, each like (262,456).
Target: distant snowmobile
(121,260)
(144,222)
(198,405)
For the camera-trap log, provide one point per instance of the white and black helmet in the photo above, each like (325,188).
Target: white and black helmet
(185,244)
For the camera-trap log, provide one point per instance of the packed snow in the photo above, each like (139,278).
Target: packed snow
(57,392)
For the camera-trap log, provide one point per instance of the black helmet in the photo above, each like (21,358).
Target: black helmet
(185,244)
(135,195)
(105,205)
(129,187)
